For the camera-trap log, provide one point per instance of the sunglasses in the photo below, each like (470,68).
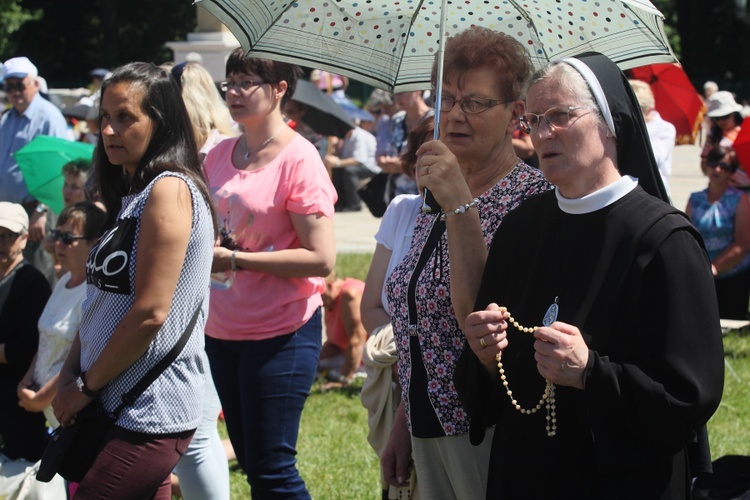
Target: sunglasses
(66,238)
(14,86)
(722,165)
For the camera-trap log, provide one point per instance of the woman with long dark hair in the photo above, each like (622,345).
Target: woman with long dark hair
(146,278)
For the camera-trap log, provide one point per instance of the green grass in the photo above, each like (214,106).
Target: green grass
(728,429)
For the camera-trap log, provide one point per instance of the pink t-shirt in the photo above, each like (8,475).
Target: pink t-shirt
(254,208)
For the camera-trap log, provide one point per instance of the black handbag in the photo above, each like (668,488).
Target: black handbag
(374,194)
(72,450)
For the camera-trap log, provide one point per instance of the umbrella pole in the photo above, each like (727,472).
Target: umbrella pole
(428,200)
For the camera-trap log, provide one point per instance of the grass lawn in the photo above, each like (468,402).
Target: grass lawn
(337,462)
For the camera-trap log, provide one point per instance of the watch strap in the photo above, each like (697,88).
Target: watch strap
(85,388)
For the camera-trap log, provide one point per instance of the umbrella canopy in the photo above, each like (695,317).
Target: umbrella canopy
(322,113)
(742,145)
(392,45)
(41,163)
(677,101)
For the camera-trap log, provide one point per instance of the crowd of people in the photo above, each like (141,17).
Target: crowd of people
(556,313)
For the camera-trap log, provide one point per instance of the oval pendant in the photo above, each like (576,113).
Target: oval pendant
(551,315)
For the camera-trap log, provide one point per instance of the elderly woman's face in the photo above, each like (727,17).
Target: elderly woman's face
(572,152)
(478,137)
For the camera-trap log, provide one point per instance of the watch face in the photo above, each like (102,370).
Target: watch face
(79,384)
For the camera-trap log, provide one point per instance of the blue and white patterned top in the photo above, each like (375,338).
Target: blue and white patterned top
(173,402)
(715,221)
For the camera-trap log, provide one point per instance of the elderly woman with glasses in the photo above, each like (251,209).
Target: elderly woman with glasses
(23,293)
(721,213)
(595,352)
(476,177)
(275,204)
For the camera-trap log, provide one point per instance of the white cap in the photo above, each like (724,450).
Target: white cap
(13,217)
(19,67)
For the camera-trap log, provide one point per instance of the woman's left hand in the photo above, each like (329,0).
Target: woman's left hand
(440,172)
(561,354)
(68,402)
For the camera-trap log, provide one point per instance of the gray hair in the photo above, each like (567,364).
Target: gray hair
(570,80)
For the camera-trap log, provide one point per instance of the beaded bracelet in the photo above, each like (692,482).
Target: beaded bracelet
(460,210)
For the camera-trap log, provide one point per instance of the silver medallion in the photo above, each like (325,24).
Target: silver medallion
(551,315)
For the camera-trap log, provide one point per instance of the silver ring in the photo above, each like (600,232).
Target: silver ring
(482,342)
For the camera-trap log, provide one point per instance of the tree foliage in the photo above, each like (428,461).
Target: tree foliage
(70,38)
(12,17)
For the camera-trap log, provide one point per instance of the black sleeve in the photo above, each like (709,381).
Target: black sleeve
(672,380)
(26,301)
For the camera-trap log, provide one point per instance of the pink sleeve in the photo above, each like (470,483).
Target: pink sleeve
(310,188)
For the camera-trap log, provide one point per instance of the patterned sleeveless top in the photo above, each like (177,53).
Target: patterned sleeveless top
(173,401)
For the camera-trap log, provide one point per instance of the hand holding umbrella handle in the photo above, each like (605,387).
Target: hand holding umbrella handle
(429,203)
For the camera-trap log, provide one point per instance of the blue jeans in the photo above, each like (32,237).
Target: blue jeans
(263,385)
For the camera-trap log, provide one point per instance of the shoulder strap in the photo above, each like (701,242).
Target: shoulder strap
(133,394)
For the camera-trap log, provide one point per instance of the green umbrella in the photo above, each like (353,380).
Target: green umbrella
(41,163)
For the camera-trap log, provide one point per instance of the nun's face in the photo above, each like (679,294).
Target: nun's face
(576,156)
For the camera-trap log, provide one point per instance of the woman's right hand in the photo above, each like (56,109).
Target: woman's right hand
(396,458)
(486,333)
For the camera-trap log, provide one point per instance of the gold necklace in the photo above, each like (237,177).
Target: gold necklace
(263,144)
(548,398)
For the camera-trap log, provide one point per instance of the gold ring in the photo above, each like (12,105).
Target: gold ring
(482,342)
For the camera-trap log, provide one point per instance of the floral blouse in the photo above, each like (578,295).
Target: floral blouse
(440,338)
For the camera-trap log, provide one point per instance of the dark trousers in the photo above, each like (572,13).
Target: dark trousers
(134,465)
(263,386)
(733,294)
(346,181)
(24,434)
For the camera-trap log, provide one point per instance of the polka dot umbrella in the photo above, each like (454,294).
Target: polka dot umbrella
(391,44)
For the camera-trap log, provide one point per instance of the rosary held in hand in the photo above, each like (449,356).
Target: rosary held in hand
(547,399)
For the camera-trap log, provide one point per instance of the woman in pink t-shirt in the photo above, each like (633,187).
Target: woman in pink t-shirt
(274,202)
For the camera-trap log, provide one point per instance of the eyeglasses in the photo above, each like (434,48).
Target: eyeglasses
(244,85)
(722,165)
(66,238)
(14,86)
(470,105)
(8,237)
(555,117)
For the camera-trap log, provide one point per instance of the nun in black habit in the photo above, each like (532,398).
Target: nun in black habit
(611,353)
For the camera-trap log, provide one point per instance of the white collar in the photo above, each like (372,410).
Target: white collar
(598,199)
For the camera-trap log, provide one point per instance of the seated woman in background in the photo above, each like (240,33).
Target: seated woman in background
(341,354)
(721,213)
(78,229)
(23,294)
(726,123)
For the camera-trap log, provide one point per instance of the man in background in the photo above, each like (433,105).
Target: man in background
(30,115)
